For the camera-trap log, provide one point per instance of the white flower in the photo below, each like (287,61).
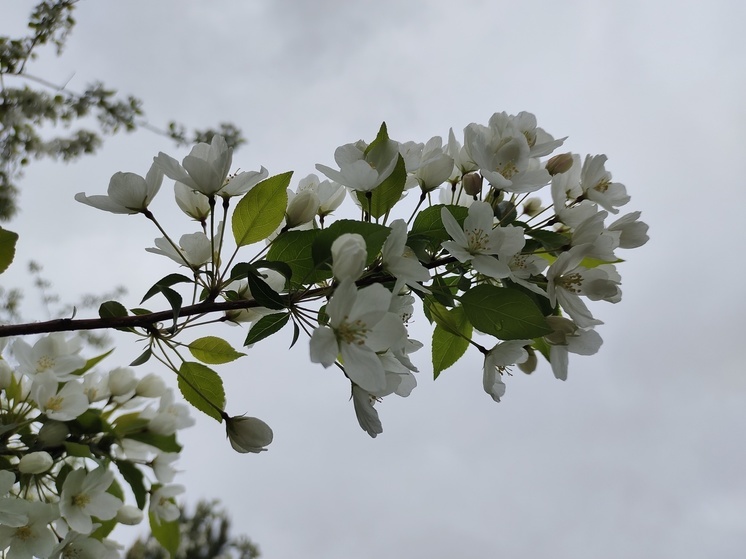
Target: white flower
(52,353)
(400,261)
(96,386)
(169,417)
(478,241)
(204,169)
(192,202)
(241,183)
(349,254)
(567,280)
(162,466)
(12,513)
(33,539)
(78,546)
(162,504)
(367,416)
(600,242)
(633,233)
(248,434)
(150,386)
(538,140)
(65,405)
(360,171)
(35,462)
(128,193)
(568,338)
(360,325)
(129,515)
(302,208)
(428,164)
(194,249)
(597,186)
(463,163)
(84,495)
(122,382)
(495,362)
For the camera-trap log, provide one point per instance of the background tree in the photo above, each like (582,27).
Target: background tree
(36,104)
(205,534)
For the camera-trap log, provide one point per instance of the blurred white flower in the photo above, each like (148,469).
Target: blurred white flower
(35,462)
(162,504)
(67,404)
(84,495)
(53,353)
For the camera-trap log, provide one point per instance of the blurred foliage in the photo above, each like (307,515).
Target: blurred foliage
(41,106)
(204,535)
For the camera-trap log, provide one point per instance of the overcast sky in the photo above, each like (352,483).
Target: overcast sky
(639,454)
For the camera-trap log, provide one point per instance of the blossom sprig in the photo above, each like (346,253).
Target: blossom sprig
(506,241)
(72,437)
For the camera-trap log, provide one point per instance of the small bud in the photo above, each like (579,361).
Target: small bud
(150,386)
(122,381)
(129,515)
(529,365)
(472,184)
(302,208)
(349,254)
(53,433)
(532,207)
(35,463)
(559,163)
(248,434)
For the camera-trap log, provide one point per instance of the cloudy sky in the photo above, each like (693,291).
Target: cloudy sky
(639,454)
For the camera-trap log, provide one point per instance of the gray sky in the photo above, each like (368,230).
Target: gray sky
(639,454)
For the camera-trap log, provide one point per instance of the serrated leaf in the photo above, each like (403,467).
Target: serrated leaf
(451,343)
(134,477)
(375,236)
(504,313)
(112,309)
(166,533)
(261,211)
(203,388)
(266,326)
(294,249)
(264,294)
(379,201)
(8,241)
(213,350)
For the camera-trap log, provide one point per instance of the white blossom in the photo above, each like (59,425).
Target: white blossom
(128,193)
(84,495)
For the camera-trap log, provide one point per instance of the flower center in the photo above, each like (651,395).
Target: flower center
(572,282)
(507,169)
(23,533)
(478,240)
(55,403)
(80,500)
(352,332)
(602,186)
(45,362)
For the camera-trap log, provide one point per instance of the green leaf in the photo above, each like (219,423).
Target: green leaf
(549,239)
(264,294)
(77,449)
(174,299)
(213,350)
(387,194)
(168,281)
(266,326)
(133,476)
(428,226)
(450,343)
(261,210)
(8,241)
(143,358)
(92,362)
(166,533)
(504,313)
(166,443)
(203,388)
(112,309)
(375,235)
(137,311)
(294,249)
(129,423)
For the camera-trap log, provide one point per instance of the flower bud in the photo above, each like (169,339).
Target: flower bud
(532,207)
(53,433)
(302,208)
(35,463)
(248,434)
(6,374)
(348,256)
(129,515)
(122,381)
(559,163)
(150,386)
(472,184)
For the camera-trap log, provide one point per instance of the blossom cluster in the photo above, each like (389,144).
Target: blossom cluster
(506,241)
(65,427)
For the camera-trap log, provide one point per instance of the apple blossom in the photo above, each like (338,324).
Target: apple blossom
(35,462)
(248,434)
(204,169)
(349,254)
(84,495)
(128,193)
